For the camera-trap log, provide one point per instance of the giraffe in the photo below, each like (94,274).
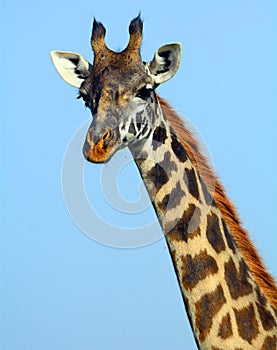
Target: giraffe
(230,298)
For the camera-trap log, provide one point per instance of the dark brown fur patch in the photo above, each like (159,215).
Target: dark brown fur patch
(225,329)
(270,343)
(159,136)
(158,176)
(178,149)
(260,297)
(228,236)
(163,204)
(214,234)
(188,226)
(174,198)
(191,182)
(237,280)
(196,269)
(167,164)
(207,196)
(247,323)
(266,317)
(206,309)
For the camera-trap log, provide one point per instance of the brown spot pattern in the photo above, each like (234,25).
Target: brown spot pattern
(190,220)
(269,343)
(167,164)
(206,309)
(140,157)
(178,149)
(207,196)
(158,176)
(159,136)
(237,280)
(225,329)
(239,234)
(247,323)
(196,269)
(266,317)
(191,182)
(260,297)
(164,202)
(214,234)
(173,199)
(228,236)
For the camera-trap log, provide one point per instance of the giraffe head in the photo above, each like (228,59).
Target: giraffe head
(119,88)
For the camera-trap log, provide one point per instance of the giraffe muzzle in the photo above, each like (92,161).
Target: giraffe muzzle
(100,149)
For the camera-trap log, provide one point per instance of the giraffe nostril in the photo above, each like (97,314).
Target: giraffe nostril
(106,135)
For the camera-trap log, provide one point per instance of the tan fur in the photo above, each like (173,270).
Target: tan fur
(98,153)
(240,235)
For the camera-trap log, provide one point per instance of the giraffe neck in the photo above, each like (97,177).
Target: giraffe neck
(225,306)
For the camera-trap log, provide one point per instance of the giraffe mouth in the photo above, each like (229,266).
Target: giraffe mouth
(99,153)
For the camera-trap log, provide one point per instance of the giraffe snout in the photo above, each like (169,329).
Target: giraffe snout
(97,148)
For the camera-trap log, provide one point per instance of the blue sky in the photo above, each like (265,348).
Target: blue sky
(60,289)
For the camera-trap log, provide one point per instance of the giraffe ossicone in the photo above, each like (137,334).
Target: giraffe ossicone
(229,296)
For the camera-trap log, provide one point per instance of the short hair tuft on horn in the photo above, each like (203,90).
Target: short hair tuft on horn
(136,26)
(135,30)
(98,37)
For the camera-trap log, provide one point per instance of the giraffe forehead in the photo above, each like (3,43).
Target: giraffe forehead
(123,68)
(116,63)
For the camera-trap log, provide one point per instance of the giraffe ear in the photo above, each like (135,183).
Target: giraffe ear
(71,66)
(165,62)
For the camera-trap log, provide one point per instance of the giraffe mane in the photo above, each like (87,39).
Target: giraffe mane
(230,215)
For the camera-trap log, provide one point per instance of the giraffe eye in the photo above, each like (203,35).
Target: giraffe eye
(144,93)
